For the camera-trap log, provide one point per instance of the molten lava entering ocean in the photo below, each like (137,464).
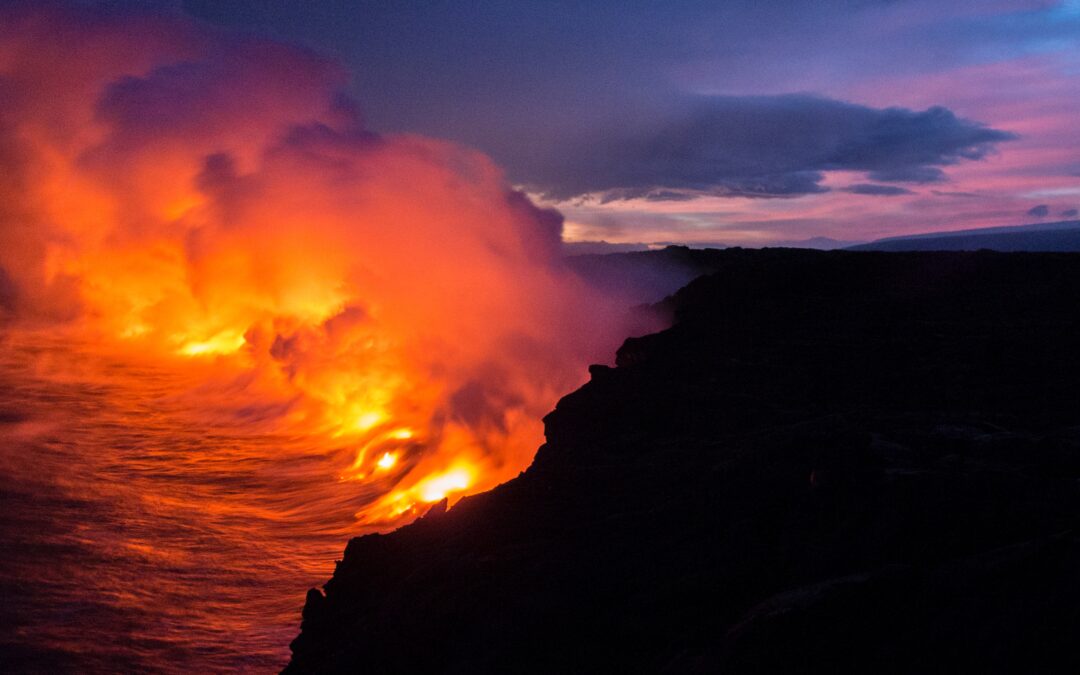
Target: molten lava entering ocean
(215,206)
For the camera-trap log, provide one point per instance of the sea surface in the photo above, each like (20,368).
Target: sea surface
(140,531)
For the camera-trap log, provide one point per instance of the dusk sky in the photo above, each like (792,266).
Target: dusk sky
(735,122)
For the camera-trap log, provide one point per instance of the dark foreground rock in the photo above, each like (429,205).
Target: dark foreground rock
(833,462)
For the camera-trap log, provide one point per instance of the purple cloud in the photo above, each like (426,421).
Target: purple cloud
(877,190)
(758,146)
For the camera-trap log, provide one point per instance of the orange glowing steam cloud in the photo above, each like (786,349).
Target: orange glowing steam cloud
(167,190)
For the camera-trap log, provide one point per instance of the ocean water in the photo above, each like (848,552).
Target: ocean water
(142,531)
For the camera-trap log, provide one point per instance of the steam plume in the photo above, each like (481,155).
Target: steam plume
(171,191)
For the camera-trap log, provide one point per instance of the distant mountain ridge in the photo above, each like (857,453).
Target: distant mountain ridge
(574,249)
(1061,236)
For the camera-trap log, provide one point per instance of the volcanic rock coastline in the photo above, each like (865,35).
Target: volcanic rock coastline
(832,462)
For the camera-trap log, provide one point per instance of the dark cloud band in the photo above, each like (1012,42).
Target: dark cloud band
(760,146)
(875,190)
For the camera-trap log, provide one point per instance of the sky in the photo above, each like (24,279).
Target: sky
(740,122)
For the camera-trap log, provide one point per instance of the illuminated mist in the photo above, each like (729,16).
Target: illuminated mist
(215,207)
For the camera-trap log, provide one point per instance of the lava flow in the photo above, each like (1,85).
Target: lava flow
(217,208)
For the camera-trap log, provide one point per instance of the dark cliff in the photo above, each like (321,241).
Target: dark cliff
(833,462)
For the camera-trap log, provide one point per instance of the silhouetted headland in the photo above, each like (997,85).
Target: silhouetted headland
(832,462)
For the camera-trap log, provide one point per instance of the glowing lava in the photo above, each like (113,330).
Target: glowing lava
(437,488)
(216,206)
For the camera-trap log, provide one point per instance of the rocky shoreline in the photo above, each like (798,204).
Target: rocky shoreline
(832,462)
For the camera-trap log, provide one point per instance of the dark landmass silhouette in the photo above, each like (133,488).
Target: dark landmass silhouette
(819,243)
(1061,236)
(576,248)
(579,248)
(644,276)
(832,462)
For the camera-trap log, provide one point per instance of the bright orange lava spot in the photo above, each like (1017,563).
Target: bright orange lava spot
(387,461)
(368,420)
(222,343)
(437,488)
